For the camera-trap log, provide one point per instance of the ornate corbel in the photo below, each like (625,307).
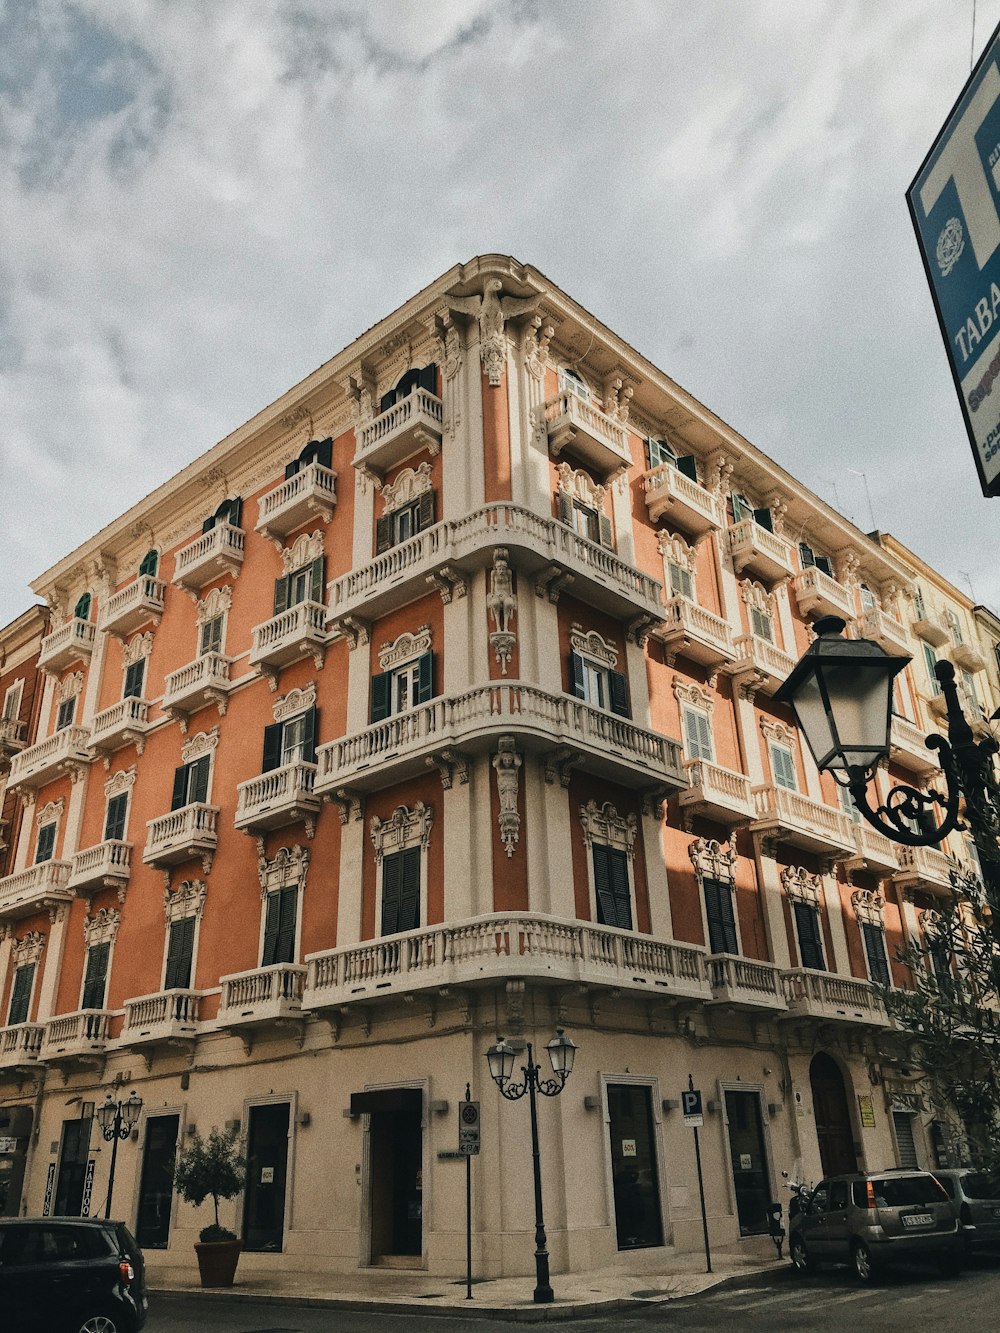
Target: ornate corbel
(450,764)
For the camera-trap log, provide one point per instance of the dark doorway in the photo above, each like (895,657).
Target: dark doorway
(15,1127)
(397,1147)
(638,1220)
(72,1166)
(833,1118)
(156,1187)
(751,1177)
(267,1162)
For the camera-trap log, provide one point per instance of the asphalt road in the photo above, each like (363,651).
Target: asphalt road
(827,1302)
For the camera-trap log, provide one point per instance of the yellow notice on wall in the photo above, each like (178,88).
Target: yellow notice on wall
(866,1110)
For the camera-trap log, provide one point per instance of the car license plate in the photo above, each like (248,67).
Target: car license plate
(918,1220)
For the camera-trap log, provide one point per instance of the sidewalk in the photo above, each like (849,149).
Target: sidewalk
(577,1295)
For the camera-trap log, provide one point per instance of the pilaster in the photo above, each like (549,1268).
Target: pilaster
(660,916)
(352,844)
(770,891)
(52,961)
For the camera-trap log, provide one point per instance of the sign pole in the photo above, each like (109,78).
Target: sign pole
(470,1146)
(696,1121)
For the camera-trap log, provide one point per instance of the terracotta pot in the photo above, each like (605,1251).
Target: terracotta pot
(217,1260)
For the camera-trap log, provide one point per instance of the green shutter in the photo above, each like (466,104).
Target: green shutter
(762,517)
(134,678)
(614,907)
(425,512)
(150,564)
(686,465)
(391,887)
(697,734)
(383,534)
(20,994)
(198,787)
(381,696)
(82,608)
(46,845)
(309,731)
(783,766)
(741,507)
(272,747)
(180,953)
(806,557)
(721,917)
(878,964)
(425,679)
(576,680)
(409,891)
(317,576)
(114,820)
(282,589)
(427,378)
(179,795)
(618,693)
(279,927)
(810,939)
(95,979)
(604,524)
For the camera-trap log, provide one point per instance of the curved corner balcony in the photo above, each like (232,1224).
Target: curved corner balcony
(182,835)
(759,665)
(760,553)
(831,999)
(683,502)
(124,723)
(34,889)
(788,816)
(72,642)
(212,554)
(566,731)
(202,682)
(573,423)
(689,630)
(66,751)
(311,493)
(487,949)
(138,603)
(411,424)
(107,865)
(820,595)
(283,796)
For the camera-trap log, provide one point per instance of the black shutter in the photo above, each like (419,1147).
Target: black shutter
(762,517)
(618,692)
(272,922)
(618,865)
(687,466)
(95,980)
(179,796)
(292,468)
(20,994)
(721,920)
(409,894)
(386,401)
(565,504)
(235,514)
(199,779)
(383,534)
(604,524)
(381,696)
(180,953)
(114,820)
(878,966)
(208,524)
(46,844)
(134,678)
(391,885)
(310,725)
(810,942)
(824,566)
(806,557)
(576,675)
(606,909)
(272,747)
(317,572)
(425,511)
(281,593)
(323,452)
(425,679)
(286,925)
(428,379)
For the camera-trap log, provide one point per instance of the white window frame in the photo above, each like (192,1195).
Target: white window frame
(102,928)
(570,381)
(603,824)
(215,606)
(930,662)
(119,784)
(195,748)
(50,813)
(774,745)
(26,952)
(869,909)
(404,829)
(713,861)
(399,661)
(704,716)
(12,699)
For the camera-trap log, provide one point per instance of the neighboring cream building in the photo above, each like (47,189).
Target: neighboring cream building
(436,702)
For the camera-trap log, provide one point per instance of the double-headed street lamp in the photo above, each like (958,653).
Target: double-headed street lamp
(117,1119)
(501,1057)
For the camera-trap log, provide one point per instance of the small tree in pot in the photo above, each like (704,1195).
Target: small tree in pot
(215,1167)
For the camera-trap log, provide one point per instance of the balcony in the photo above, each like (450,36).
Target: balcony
(487,949)
(820,595)
(181,835)
(744,983)
(886,631)
(575,424)
(283,796)
(547,551)
(263,997)
(690,631)
(925,869)
(759,553)
(72,642)
(967,657)
(293,634)
(683,502)
(411,424)
(931,630)
(907,748)
(64,752)
(310,493)
(34,889)
(565,730)
(169,1018)
(106,866)
(759,665)
(875,851)
(202,682)
(124,723)
(20,1046)
(78,1038)
(831,999)
(138,603)
(11,738)
(216,552)
(788,816)
(716,793)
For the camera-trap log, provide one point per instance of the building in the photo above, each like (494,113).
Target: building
(436,702)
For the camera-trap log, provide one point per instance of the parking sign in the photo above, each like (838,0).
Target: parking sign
(468,1129)
(691,1106)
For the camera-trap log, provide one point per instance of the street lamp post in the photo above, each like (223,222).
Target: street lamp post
(117,1119)
(501,1056)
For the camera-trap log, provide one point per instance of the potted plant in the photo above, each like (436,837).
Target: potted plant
(214,1167)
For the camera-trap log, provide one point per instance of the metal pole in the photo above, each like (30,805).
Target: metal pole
(543,1288)
(468,1214)
(701,1196)
(114,1158)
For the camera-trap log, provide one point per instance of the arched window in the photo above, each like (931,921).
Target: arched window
(423,378)
(150,564)
(316,451)
(569,379)
(230,511)
(82,608)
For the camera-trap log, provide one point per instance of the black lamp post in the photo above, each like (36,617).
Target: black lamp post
(841,694)
(501,1056)
(117,1119)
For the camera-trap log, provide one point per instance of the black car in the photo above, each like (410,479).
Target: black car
(70,1275)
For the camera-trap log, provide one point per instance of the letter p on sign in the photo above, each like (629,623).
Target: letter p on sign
(691,1106)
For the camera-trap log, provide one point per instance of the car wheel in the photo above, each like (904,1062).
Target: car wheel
(800,1256)
(863,1265)
(101,1323)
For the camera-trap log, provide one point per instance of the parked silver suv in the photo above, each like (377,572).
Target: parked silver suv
(873,1220)
(975,1196)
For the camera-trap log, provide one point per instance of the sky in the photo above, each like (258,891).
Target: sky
(203,203)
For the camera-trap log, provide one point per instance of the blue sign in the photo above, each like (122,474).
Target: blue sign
(955,205)
(691,1108)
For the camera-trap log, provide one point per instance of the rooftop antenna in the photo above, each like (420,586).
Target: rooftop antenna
(968,578)
(868,496)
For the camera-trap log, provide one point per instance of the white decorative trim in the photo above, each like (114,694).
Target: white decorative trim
(405,647)
(217,603)
(50,813)
(28,949)
(506,762)
(673,547)
(404,828)
(408,486)
(695,695)
(286,869)
(202,742)
(777,733)
(492,310)
(101,928)
(305,549)
(123,780)
(869,906)
(70,686)
(593,645)
(295,701)
(605,825)
(188,899)
(537,337)
(579,486)
(713,861)
(137,649)
(755,594)
(801,886)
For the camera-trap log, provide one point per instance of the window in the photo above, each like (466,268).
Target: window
(971,698)
(403,523)
(611,887)
(150,564)
(848,804)
(114,819)
(401,891)
(290,742)
(762,624)
(867,598)
(585,520)
(955,626)
(930,662)
(210,636)
(659,452)
(681,580)
(230,511)
(279,926)
(598,684)
(807,928)
(46,844)
(316,451)
(919,605)
(403,687)
(95,977)
(82,608)
(424,378)
(698,734)
(301,585)
(783,767)
(66,712)
(191,782)
(838,1196)
(721,917)
(810,559)
(873,937)
(12,701)
(20,994)
(571,381)
(180,954)
(742,508)
(135,676)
